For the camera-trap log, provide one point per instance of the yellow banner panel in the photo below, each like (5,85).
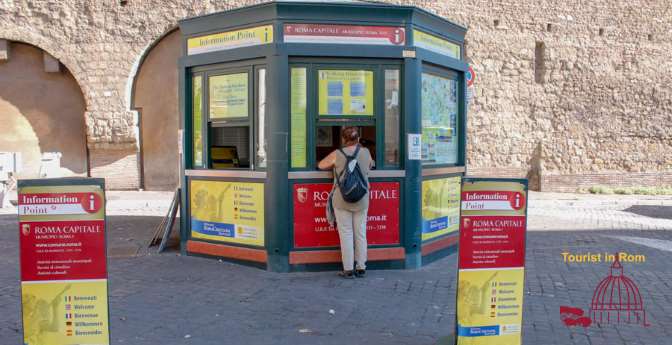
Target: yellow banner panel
(227,211)
(490,306)
(440,207)
(436,44)
(65,312)
(230,40)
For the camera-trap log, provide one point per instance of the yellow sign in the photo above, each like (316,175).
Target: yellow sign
(230,40)
(229,96)
(490,304)
(440,207)
(345,92)
(436,44)
(65,312)
(298,117)
(227,211)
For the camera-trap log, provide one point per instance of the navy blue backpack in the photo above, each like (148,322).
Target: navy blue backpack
(351,181)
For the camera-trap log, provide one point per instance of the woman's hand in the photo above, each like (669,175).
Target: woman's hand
(328,162)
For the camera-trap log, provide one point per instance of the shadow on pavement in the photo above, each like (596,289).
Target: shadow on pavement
(654,211)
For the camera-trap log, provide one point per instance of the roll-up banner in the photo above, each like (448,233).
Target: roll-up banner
(63,261)
(491,268)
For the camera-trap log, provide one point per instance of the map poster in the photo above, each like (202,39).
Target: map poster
(311,228)
(229,96)
(440,141)
(63,262)
(227,211)
(440,207)
(345,92)
(491,261)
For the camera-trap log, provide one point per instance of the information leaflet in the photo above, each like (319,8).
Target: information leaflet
(491,270)
(63,262)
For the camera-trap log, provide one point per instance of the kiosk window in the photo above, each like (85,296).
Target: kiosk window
(439,119)
(197,103)
(345,92)
(392,117)
(298,114)
(229,147)
(328,139)
(231,126)
(229,96)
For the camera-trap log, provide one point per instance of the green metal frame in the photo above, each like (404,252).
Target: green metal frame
(277,58)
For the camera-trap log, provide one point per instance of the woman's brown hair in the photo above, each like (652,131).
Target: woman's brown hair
(350,135)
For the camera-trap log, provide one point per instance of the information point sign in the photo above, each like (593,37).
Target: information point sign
(491,269)
(63,262)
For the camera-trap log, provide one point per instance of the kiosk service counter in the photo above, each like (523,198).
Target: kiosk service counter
(265,91)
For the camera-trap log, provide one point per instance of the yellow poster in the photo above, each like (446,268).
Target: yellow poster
(227,211)
(345,92)
(436,44)
(65,312)
(490,306)
(298,117)
(229,96)
(230,40)
(440,207)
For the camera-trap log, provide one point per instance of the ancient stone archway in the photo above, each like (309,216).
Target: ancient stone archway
(154,97)
(41,110)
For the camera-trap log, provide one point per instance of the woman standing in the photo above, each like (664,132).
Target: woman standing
(350,217)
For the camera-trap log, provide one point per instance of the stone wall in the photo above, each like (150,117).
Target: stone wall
(598,104)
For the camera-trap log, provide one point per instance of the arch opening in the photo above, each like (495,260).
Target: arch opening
(154,96)
(42,111)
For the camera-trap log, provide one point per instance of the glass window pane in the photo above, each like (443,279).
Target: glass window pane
(345,92)
(230,147)
(197,123)
(298,117)
(439,120)
(261,119)
(392,112)
(229,96)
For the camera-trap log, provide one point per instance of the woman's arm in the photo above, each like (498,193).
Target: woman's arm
(328,162)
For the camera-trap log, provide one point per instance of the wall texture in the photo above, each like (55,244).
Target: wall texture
(567,93)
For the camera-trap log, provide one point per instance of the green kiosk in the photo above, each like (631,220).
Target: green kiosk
(264,91)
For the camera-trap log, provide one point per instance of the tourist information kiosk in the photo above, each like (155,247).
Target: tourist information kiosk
(264,91)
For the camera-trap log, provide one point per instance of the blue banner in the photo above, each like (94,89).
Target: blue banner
(212,228)
(477,331)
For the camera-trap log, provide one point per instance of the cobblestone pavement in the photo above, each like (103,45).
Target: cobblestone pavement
(169,299)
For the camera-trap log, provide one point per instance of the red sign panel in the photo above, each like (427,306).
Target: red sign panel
(63,250)
(492,242)
(344,34)
(311,228)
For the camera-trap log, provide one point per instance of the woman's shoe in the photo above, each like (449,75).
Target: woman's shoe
(347,274)
(360,273)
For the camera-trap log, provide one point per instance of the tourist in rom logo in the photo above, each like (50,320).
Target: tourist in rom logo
(350,217)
